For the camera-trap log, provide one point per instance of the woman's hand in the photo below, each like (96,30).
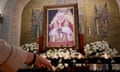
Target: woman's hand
(39,61)
(42,62)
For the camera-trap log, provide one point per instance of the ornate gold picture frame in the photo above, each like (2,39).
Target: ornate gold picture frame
(60,26)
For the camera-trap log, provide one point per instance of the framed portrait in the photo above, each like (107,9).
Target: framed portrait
(60,26)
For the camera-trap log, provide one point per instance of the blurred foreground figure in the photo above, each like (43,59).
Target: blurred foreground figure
(12,58)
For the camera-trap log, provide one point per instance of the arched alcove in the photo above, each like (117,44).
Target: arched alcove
(15,23)
(27,35)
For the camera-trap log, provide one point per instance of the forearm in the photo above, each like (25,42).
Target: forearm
(14,62)
(29,58)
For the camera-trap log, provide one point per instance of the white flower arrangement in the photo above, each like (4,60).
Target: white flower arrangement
(63,53)
(31,47)
(99,49)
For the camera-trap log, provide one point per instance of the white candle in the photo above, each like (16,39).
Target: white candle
(106,56)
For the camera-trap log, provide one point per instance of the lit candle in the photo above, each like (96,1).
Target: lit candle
(106,56)
(94,67)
